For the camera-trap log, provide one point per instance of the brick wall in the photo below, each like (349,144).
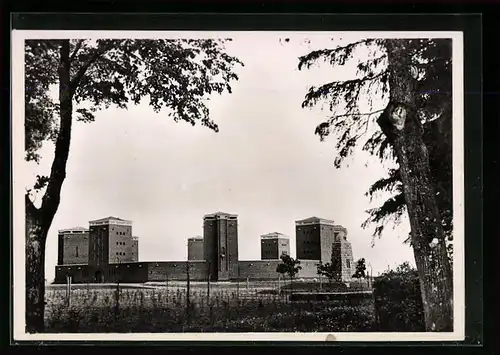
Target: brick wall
(210,248)
(223,263)
(266,269)
(283,246)
(124,273)
(232,247)
(176,270)
(329,235)
(121,244)
(99,250)
(327,239)
(308,242)
(60,249)
(309,269)
(269,249)
(195,249)
(78,273)
(348,264)
(173,270)
(258,269)
(336,260)
(75,248)
(135,250)
(343,260)
(273,248)
(127,273)
(314,241)
(218,234)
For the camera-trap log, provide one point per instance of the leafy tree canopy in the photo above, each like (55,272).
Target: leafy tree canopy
(360,269)
(176,74)
(91,75)
(288,266)
(328,270)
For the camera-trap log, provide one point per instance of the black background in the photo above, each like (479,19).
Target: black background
(481,42)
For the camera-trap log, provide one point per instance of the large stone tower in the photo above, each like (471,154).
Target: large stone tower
(342,255)
(73,246)
(110,242)
(321,239)
(195,248)
(220,245)
(273,245)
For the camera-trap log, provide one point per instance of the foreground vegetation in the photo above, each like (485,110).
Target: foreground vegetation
(157,310)
(394,305)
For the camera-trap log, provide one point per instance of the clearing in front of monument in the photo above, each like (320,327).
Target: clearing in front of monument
(223,308)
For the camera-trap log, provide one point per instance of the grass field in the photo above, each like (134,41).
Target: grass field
(227,307)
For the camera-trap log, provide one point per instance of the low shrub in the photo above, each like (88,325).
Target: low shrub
(268,292)
(348,297)
(398,302)
(316,286)
(327,286)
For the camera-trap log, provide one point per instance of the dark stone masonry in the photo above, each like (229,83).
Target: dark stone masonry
(108,252)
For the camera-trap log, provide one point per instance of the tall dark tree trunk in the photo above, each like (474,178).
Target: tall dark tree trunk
(35,270)
(39,220)
(404,129)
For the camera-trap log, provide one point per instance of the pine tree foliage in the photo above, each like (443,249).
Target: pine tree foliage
(432,69)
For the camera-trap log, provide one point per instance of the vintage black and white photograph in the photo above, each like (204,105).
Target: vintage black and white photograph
(238,185)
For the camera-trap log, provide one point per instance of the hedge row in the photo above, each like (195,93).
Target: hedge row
(398,301)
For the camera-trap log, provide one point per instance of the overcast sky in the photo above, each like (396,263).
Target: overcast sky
(265,164)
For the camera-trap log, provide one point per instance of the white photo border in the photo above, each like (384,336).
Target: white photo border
(18,164)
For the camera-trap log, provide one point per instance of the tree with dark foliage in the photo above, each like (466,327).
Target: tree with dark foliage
(398,304)
(360,269)
(177,75)
(328,270)
(288,266)
(412,78)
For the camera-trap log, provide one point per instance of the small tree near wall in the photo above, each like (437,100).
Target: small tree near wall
(360,269)
(328,270)
(289,266)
